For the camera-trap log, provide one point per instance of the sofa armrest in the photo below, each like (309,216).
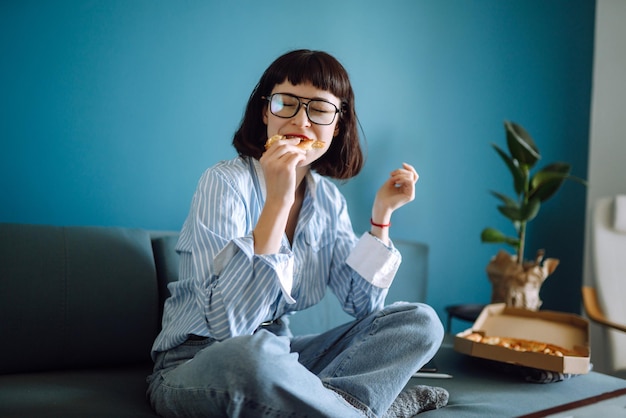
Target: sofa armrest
(166,260)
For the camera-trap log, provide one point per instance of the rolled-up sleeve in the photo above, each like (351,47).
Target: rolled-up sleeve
(374,261)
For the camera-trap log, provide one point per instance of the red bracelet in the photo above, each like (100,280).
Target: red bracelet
(380,225)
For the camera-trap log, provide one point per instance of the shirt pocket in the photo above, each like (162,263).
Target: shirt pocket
(318,235)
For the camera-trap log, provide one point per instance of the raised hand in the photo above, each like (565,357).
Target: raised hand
(396,191)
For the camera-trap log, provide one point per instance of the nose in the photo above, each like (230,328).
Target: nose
(301,118)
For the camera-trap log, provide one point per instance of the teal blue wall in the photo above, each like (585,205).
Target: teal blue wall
(110,111)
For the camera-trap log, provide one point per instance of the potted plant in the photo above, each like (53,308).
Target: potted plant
(517,281)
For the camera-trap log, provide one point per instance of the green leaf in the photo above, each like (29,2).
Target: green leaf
(513,213)
(492,235)
(530,209)
(521,145)
(505,199)
(547,181)
(519,178)
(523,213)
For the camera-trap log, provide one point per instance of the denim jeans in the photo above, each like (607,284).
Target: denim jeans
(354,370)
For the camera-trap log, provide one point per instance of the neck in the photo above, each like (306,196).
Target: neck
(301,173)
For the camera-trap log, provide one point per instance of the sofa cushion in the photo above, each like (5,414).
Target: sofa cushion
(87,393)
(75,297)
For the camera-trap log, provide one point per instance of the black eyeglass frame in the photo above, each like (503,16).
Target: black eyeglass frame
(300,104)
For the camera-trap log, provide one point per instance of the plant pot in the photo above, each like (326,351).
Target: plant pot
(519,285)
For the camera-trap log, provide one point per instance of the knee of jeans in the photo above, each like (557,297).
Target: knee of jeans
(433,322)
(425,318)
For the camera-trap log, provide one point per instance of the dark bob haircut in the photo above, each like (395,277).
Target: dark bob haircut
(344,158)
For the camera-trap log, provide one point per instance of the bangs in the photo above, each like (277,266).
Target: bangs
(315,67)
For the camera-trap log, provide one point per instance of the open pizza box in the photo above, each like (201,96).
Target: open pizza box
(565,330)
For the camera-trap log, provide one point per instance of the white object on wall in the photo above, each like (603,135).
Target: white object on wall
(609,273)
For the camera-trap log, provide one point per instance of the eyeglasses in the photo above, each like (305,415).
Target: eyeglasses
(285,105)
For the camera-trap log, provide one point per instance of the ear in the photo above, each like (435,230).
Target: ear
(336,132)
(265,114)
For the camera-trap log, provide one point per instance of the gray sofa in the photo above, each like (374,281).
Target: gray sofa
(80,307)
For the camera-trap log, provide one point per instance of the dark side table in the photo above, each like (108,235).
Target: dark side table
(466,312)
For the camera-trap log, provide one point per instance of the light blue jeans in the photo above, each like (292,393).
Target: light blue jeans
(354,370)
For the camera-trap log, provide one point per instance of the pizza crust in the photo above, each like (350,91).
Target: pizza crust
(305,144)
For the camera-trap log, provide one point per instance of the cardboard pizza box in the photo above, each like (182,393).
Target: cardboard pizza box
(562,329)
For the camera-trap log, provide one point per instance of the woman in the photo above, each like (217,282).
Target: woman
(267,233)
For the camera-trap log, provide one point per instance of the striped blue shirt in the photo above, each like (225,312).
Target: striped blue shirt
(225,290)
